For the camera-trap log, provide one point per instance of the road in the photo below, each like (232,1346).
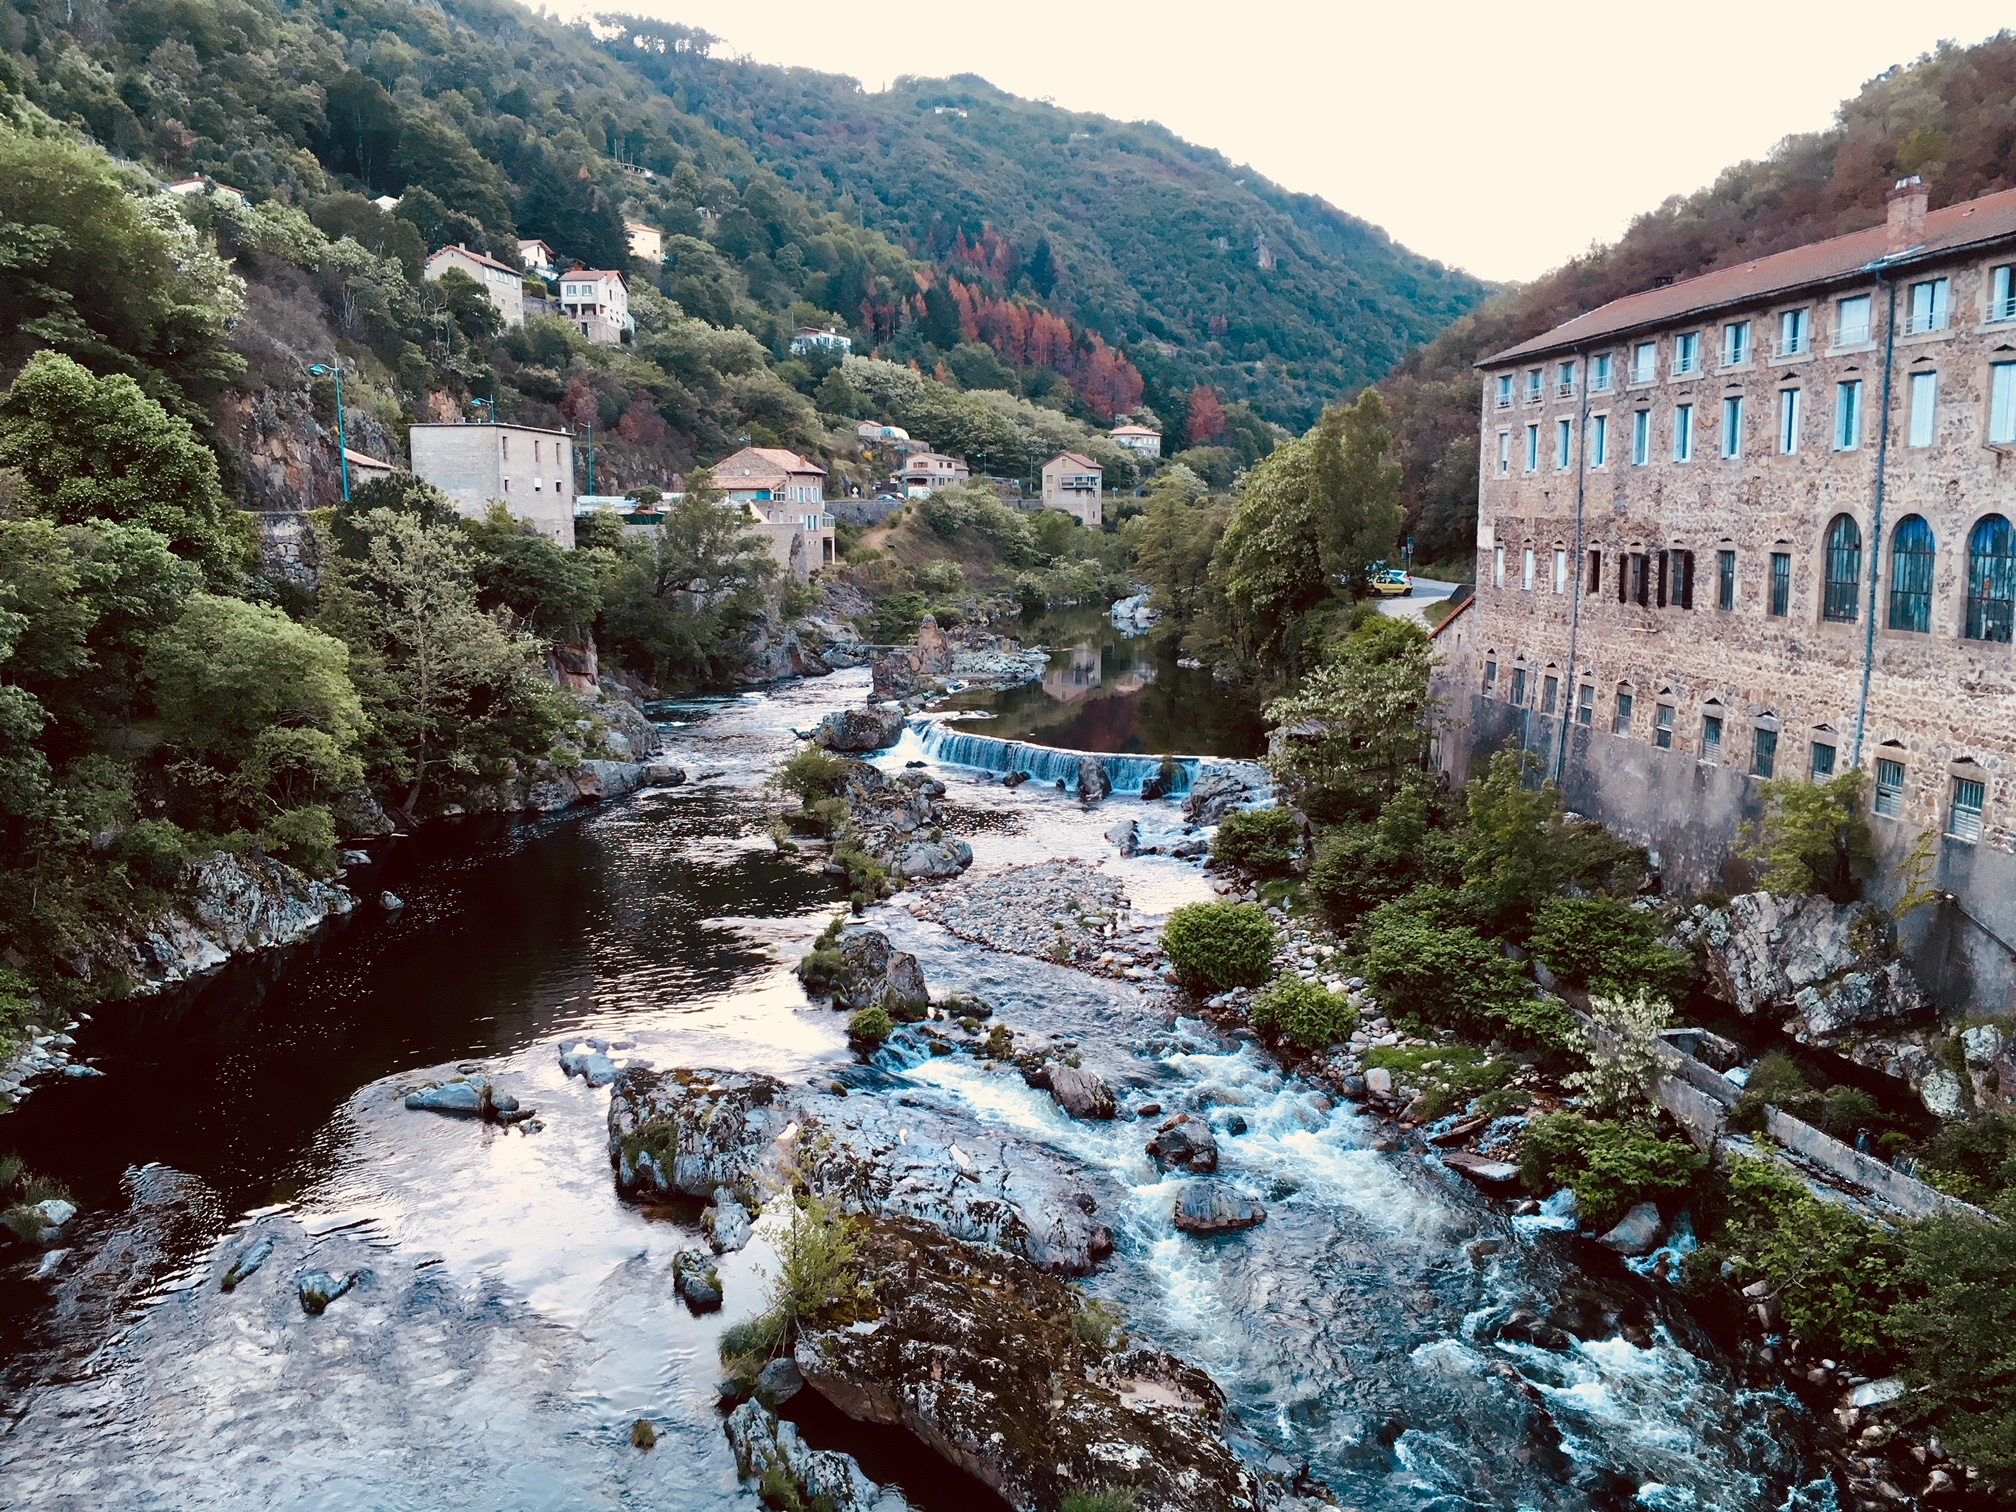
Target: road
(1426,592)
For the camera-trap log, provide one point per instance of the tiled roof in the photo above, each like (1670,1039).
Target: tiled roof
(764,462)
(1134,430)
(476,257)
(593,273)
(1991,218)
(1075,460)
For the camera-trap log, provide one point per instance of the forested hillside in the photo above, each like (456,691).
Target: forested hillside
(1946,117)
(1203,271)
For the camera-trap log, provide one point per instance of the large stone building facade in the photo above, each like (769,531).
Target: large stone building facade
(1759,523)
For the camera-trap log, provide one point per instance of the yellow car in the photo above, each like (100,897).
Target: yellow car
(1393,583)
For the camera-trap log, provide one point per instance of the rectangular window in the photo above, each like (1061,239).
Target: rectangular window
(1599,440)
(1564,380)
(1533,386)
(1793,337)
(1490,678)
(1564,445)
(1822,763)
(1504,453)
(1781,583)
(1550,689)
(1595,571)
(2002,293)
(504,447)
(1662,727)
(1848,415)
(1725,580)
(1519,686)
(1599,373)
(1683,433)
(1736,343)
(1851,320)
(2002,403)
(1645,362)
(1621,724)
(1560,569)
(1788,422)
(1930,303)
(1681,576)
(1504,391)
(1526,572)
(1532,448)
(1764,754)
(1924,407)
(1711,737)
(1732,426)
(1889,788)
(1585,708)
(1498,567)
(1641,437)
(1968,798)
(1686,354)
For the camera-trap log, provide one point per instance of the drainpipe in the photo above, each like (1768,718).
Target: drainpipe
(1876,522)
(1575,571)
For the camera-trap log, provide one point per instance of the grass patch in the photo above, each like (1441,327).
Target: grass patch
(1446,1076)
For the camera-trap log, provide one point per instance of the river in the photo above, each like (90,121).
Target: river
(516,1318)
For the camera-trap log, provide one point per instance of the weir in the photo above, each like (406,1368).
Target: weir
(1047,764)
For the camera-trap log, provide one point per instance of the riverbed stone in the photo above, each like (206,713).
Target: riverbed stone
(250,1258)
(1185,1143)
(778,1382)
(1082,1094)
(1636,1233)
(1492,1175)
(693,1131)
(1095,783)
(933,859)
(316,1289)
(694,1274)
(468,1097)
(766,1445)
(873,728)
(1213,1207)
(1213,795)
(1127,836)
(877,975)
(664,774)
(726,1223)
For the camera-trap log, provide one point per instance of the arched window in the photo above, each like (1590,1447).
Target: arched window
(1991,580)
(1844,569)
(1911,575)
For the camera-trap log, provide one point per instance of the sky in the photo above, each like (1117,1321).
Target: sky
(1501,138)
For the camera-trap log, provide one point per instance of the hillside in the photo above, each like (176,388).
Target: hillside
(1203,271)
(1945,117)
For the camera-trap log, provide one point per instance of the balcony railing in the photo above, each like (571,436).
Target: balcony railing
(1504,401)
(1918,325)
(1794,346)
(2000,310)
(1565,390)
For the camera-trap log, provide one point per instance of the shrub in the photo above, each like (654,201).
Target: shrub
(1098,1325)
(1777,1081)
(1262,842)
(1445,975)
(1973,1159)
(1310,1015)
(303,837)
(814,773)
(1521,849)
(871,1026)
(1215,946)
(1612,1166)
(155,851)
(1958,1332)
(1609,947)
(1621,1051)
(1813,838)
(1102,1499)
(815,1271)
(896,617)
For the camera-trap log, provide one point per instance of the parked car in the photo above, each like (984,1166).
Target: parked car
(1393,583)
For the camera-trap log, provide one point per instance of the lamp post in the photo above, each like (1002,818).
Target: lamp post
(491,403)
(342,450)
(591,459)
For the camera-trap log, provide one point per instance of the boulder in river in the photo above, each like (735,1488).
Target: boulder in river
(876,975)
(778,1382)
(1127,835)
(469,1097)
(692,1131)
(768,1450)
(248,1262)
(1095,783)
(726,1223)
(1213,795)
(664,774)
(933,859)
(698,1282)
(1493,1175)
(1082,1094)
(317,1289)
(1213,1207)
(975,1352)
(589,1060)
(1636,1233)
(1185,1143)
(866,729)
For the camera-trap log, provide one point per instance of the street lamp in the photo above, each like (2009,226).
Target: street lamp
(342,450)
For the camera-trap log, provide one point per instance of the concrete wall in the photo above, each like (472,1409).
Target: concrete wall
(530,472)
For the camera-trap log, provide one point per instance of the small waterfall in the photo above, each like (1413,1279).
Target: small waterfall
(1047,764)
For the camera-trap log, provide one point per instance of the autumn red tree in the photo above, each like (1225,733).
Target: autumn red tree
(1206,421)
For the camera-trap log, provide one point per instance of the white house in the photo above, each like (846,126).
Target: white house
(928,470)
(598,301)
(876,433)
(387,202)
(529,471)
(503,285)
(1138,439)
(812,339)
(1072,483)
(538,257)
(647,243)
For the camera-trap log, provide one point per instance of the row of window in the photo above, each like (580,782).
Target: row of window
(1967,798)
(1846,432)
(1928,307)
(1663,579)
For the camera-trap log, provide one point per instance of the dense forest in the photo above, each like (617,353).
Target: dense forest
(1945,117)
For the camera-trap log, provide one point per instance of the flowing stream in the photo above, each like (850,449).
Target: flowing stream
(515,1318)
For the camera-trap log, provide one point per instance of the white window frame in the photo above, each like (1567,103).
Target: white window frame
(1526,572)
(1560,569)
(1645,362)
(1937,312)
(1736,344)
(1536,384)
(1564,445)
(1795,332)
(1505,387)
(1686,354)
(1683,433)
(1564,379)
(1848,415)
(1889,802)
(1599,440)
(1641,437)
(2002,404)
(2001,295)
(1599,373)
(1732,426)
(1498,567)
(1504,454)
(1847,334)
(1533,448)
(1924,423)
(1791,415)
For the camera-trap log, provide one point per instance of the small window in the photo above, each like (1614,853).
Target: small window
(1599,440)
(1781,583)
(1550,689)
(1564,445)
(2002,293)
(1788,422)
(1645,362)
(1662,727)
(1504,453)
(1680,579)
(1889,788)
(1526,571)
(1911,557)
(1599,373)
(1732,426)
(1736,343)
(1793,337)
(1585,707)
(1519,686)
(1968,799)
(504,446)
(1686,354)
(1560,569)
(1595,571)
(1930,301)
(1848,415)
(1504,391)
(1564,380)
(1711,737)
(1924,408)
(1532,448)
(1490,678)
(1844,571)
(1498,567)
(1621,724)
(1822,762)
(1725,580)
(1764,753)
(1683,432)
(1851,320)
(1641,437)
(1533,386)
(2002,403)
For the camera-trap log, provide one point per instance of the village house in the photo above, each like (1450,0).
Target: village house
(537,257)
(877,434)
(503,285)
(924,471)
(812,339)
(209,187)
(598,302)
(1138,439)
(529,471)
(1756,524)
(786,495)
(647,243)
(1072,483)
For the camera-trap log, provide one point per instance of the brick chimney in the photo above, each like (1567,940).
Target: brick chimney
(1907,214)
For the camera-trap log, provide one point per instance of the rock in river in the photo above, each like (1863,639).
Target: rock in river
(933,858)
(876,975)
(1080,1093)
(692,1131)
(1095,783)
(1185,1143)
(248,1262)
(694,1274)
(469,1097)
(317,1289)
(1212,1207)
(974,1351)
(1636,1233)
(869,729)
(768,1449)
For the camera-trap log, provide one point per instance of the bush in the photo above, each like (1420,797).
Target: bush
(814,773)
(1973,1159)
(1612,1166)
(1609,947)
(1448,1076)
(1777,1081)
(1444,975)
(871,1026)
(1813,838)
(1958,1333)
(1521,849)
(1215,946)
(1098,1325)
(1621,1052)
(1262,842)
(303,837)
(155,851)
(1309,1015)
(896,617)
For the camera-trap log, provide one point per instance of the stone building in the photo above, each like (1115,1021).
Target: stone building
(529,471)
(1758,523)
(598,302)
(785,494)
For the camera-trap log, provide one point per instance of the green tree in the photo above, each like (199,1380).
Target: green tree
(1813,838)
(1357,491)
(1268,566)
(547,591)
(1521,848)
(1957,1327)
(1355,731)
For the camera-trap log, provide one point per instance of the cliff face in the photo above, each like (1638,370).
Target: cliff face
(288,457)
